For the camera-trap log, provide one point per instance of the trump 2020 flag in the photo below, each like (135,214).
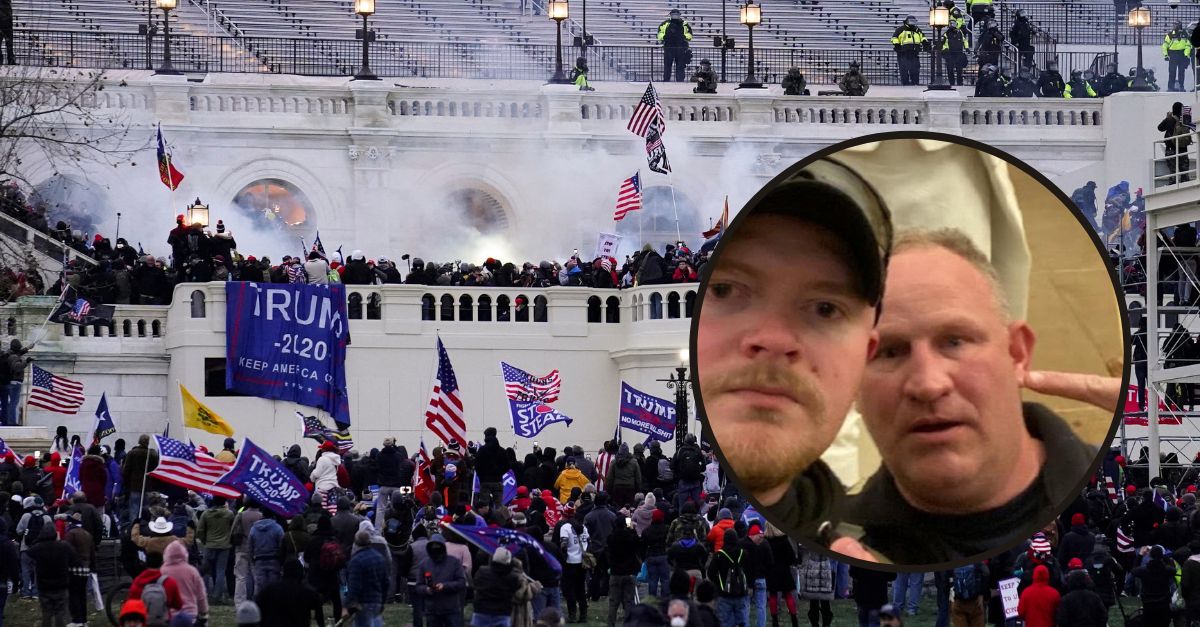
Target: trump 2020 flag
(288,342)
(510,487)
(529,399)
(257,475)
(104,421)
(490,538)
(72,484)
(646,414)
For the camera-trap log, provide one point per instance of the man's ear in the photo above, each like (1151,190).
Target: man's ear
(872,344)
(1021,340)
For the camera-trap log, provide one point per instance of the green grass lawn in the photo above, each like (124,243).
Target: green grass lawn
(23,613)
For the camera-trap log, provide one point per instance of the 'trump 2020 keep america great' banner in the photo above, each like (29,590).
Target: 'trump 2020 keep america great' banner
(288,342)
(647,414)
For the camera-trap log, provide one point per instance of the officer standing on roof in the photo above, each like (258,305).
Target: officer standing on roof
(1021,36)
(675,33)
(1177,50)
(1050,82)
(909,41)
(854,82)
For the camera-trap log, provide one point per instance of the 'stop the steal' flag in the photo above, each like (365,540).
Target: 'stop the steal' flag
(647,414)
(257,475)
(529,399)
(288,342)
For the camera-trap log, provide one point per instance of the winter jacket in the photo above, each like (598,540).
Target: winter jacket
(53,559)
(495,587)
(288,601)
(366,578)
(1078,542)
(243,521)
(655,539)
(83,546)
(1189,584)
(388,466)
(265,540)
(643,514)
(1080,607)
(1039,602)
(491,462)
(600,524)
(624,473)
(214,529)
(170,587)
(684,522)
(136,466)
(624,550)
(758,559)
(187,579)
(93,477)
(817,575)
(155,543)
(687,554)
(723,565)
(296,464)
(567,479)
(1157,577)
(449,573)
(324,475)
(716,536)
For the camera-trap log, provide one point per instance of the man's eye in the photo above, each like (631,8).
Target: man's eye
(827,310)
(721,290)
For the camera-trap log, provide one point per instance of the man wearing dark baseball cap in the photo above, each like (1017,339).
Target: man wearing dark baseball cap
(781,348)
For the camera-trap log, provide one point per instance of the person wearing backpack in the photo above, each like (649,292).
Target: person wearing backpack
(624,551)
(192,592)
(325,558)
(689,468)
(727,570)
(970,595)
(29,529)
(52,559)
(157,591)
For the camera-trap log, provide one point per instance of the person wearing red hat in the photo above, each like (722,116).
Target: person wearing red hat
(758,562)
(1078,543)
(1081,605)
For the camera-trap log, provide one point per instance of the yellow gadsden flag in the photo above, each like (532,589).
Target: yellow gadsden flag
(196,415)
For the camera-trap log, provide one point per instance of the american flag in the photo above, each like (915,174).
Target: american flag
(80,310)
(629,198)
(180,464)
(522,386)
(603,461)
(329,502)
(1124,541)
(55,393)
(422,482)
(318,247)
(296,274)
(445,413)
(1111,488)
(647,113)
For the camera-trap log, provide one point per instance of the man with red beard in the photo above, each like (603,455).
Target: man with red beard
(967,467)
(780,358)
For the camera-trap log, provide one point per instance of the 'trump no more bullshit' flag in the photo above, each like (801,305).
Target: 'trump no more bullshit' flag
(647,414)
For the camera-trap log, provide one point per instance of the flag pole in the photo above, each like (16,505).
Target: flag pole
(671,181)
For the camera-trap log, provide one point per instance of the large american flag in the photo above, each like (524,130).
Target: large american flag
(629,198)
(80,310)
(522,386)
(182,465)
(648,111)
(55,393)
(445,413)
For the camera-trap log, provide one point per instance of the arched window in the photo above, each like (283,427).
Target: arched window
(593,309)
(126,328)
(502,312)
(447,307)
(155,329)
(276,204)
(656,306)
(522,307)
(112,329)
(68,331)
(466,308)
(11,326)
(375,306)
(485,308)
(478,209)
(141,326)
(428,307)
(198,304)
(539,308)
(612,310)
(673,305)
(689,303)
(354,306)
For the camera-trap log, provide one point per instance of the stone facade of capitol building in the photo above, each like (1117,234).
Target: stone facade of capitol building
(448,170)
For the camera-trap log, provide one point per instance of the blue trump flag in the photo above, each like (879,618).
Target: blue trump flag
(257,475)
(288,342)
(646,414)
(104,420)
(72,485)
(510,487)
(489,538)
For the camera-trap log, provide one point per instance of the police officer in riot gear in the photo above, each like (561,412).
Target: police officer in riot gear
(990,84)
(1112,82)
(1022,86)
(1050,82)
(705,79)
(854,82)
(909,41)
(675,33)
(1021,36)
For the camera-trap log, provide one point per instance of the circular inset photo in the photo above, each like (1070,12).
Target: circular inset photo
(909,350)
